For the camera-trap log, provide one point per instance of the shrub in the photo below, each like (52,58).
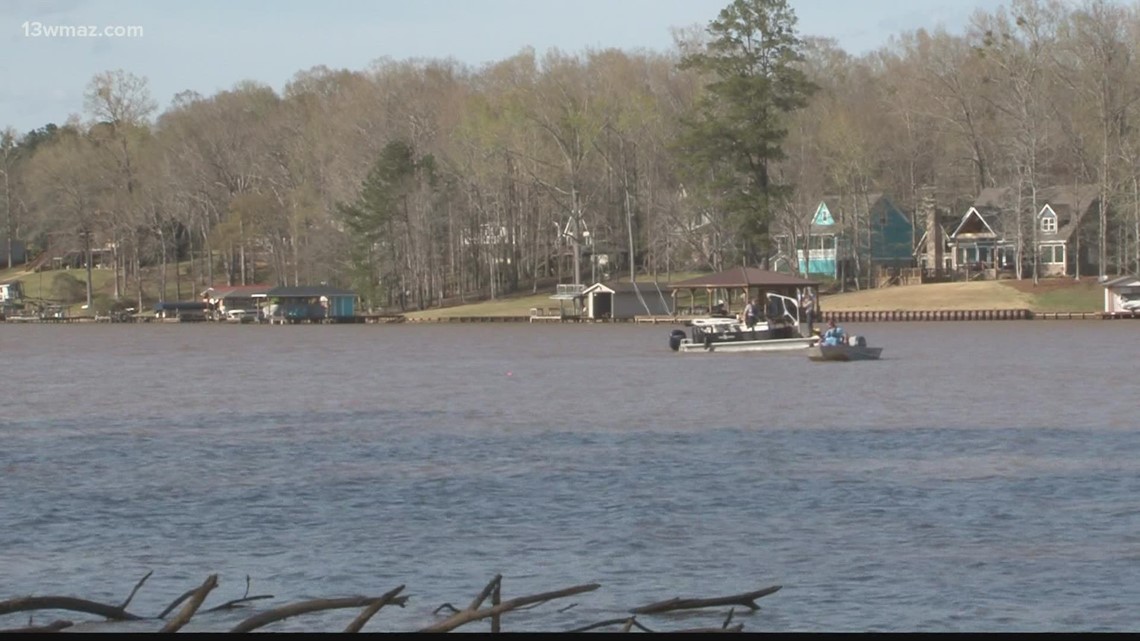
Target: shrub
(66,288)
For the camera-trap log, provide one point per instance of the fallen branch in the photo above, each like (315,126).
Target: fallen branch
(473,613)
(28,603)
(362,618)
(628,623)
(192,605)
(132,594)
(747,600)
(496,582)
(176,602)
(305,607)
(54,626)
(445,606)
(736,628)
(229,605)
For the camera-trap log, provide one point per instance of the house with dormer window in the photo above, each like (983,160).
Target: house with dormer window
(980,240)
(986,237)
(1066,238)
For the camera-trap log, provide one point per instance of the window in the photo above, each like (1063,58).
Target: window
(1052,254)
(1049,222)
(824,242)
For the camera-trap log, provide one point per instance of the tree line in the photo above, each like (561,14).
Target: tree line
(419,182)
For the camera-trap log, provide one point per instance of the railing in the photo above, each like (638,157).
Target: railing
(569,290)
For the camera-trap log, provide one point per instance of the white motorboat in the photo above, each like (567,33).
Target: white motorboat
(781,330)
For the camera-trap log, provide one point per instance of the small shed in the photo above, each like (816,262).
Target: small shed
(1122,295)
(625,300)
(310,303)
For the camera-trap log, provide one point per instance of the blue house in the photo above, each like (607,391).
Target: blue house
(873,226)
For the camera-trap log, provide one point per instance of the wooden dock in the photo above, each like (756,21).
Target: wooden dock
(541,316)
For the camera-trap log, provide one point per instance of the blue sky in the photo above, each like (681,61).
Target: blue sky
(210,45)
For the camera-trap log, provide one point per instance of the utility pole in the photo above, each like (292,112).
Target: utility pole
(86,233)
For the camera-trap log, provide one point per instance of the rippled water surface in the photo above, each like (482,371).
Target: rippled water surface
(983,476)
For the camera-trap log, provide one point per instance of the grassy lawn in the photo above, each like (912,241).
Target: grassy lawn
(1064,295)
(1048,295)
(40,286)
(520,305)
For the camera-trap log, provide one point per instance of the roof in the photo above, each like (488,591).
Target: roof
(838,204)
(622,287)
(744,277)
(1127,280)
(191,305)
(1069,202)
(309,291)
(236,291)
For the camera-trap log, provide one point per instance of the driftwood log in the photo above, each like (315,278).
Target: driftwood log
(747,599)
(192,601)
(184,616)
(124,604)
(316,605)
(370,611)
(54,626)
(627,623)
(473,613)
(31,603)
(237,603)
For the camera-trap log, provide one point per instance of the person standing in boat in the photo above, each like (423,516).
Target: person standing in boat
(751,313)
(807,305)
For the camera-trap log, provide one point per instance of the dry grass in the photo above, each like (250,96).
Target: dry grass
(931,296)
(1048,295)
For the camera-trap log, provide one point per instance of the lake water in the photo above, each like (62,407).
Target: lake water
(983,476)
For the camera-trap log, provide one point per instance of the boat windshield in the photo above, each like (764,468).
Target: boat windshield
(780,306)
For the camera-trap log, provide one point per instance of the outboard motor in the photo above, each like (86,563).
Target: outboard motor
(858,341)
(675,339)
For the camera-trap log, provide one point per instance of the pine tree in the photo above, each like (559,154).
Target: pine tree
(753,60)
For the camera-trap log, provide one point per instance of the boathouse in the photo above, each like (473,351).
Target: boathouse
(1121,295)
(309,304)
(229,298)
(737,286)
(182,310)
(625,300)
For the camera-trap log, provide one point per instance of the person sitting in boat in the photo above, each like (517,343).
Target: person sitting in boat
(719,309)
(834,334)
